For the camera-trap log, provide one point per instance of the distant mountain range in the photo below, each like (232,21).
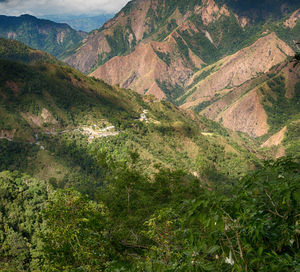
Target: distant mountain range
(44,35)
(81,22)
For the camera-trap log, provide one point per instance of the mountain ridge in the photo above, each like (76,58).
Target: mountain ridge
(41,34)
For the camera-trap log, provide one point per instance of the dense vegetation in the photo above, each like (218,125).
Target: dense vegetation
(280,109)
(17,51)
(173,223)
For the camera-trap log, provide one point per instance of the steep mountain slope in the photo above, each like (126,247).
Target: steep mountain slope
(40,34)
(273,90)
(267,106)
(62,126)
(146,20)
(236,69)
(146,69)
(210,29)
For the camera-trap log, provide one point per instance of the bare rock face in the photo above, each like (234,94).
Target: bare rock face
(237,111)
(210,12)
(86,56)
(133,25)
(127,70)
(238,108)
(151,63)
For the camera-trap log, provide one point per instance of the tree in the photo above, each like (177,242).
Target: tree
(296,58)
(21,200)
(74,236)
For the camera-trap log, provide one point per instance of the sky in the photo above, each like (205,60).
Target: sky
(56,7)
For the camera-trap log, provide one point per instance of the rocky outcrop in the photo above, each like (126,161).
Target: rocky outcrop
(210,12)
(293,19)
(275,139)
(131,27)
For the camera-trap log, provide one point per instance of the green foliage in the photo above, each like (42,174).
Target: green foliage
(260,9)
(289,35)
(280,109)
(74,101)
(14,155)
(256,228)
(119,42)
(74,238)
(144,209)
(22,199)
(203,75)
(172,92)
(173,223)
(292,139)
(183,49)
(14,50)
(164,57)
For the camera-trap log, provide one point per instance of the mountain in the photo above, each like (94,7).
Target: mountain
(40,34)
(58,123)
(208,28)
(81,22)
(209,56)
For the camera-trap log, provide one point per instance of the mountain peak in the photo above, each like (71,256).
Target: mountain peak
(27,16)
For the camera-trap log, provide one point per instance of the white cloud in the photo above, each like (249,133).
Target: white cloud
(43,7)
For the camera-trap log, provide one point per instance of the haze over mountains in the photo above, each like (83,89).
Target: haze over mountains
(85,23)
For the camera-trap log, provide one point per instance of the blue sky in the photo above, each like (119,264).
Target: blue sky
(74,7)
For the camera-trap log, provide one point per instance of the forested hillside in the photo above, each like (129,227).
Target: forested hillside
(40,34)
(173,223)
